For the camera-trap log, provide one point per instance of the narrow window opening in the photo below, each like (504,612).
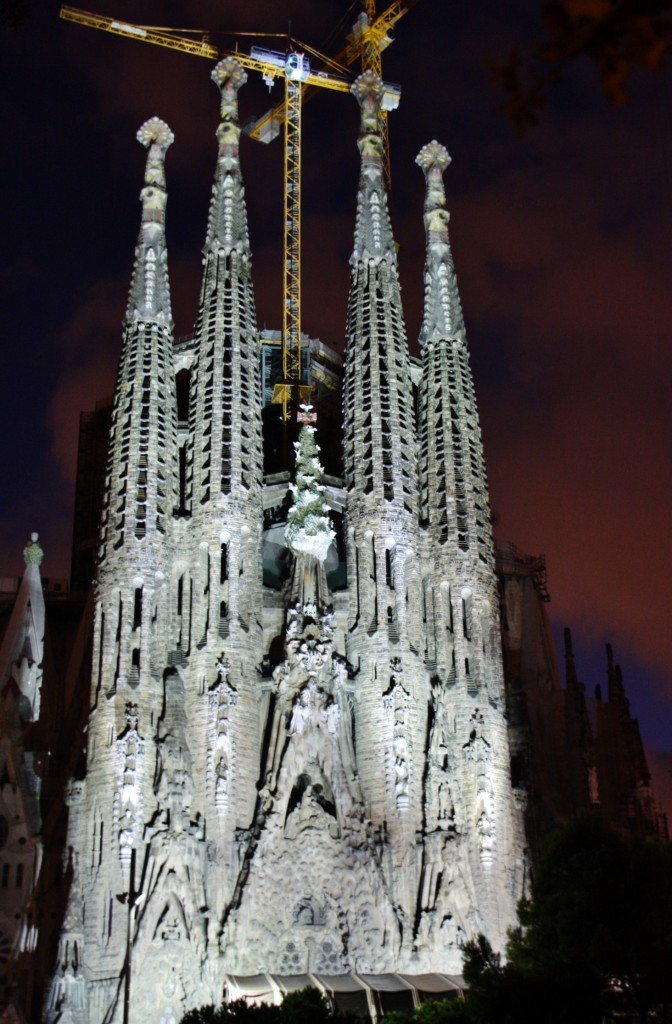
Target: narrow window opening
(388,568)
(137,608)
(182,383)
(182,465)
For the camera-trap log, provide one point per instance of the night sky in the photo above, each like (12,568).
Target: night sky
(561,242)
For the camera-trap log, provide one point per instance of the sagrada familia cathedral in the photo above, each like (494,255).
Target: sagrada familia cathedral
(351,811)
(311,782)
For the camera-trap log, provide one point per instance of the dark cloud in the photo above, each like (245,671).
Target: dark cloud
(561,242)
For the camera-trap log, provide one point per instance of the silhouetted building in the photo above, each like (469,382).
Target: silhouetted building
(570,750)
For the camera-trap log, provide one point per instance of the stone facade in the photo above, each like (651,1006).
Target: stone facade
(299,781)
(21,767)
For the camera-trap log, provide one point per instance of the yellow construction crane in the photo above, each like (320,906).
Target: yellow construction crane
(294,68)
(159,36)
(369,37)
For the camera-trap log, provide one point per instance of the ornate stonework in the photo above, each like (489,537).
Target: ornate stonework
(307,781)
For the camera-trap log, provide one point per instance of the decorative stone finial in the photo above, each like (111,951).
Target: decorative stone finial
(368,91)
(433,155)
(150,294)
(227,223)
(228,75)
(156,136)
(33,553)
(443,313)
(434,159)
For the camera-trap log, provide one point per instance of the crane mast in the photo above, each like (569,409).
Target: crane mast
(369,38)
(291,292)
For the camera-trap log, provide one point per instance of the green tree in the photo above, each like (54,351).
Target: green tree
(616,36)
(237,1012)
(594,936)
(433,1011)
(306,1006)
(13,12)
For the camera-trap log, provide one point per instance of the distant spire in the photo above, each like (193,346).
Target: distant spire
(33,553)
(227,224)
(571,677)
(615,688)
(373,231)
(22,645)
(443,312)
(149,297)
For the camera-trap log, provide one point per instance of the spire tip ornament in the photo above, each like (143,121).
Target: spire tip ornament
(156,136)
(229,76)
(433,155)
(33,553)
(155,130)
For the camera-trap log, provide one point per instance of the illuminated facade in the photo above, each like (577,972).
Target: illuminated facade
(306,781)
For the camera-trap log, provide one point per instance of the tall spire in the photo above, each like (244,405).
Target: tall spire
(150,295)
(379,457)
(461,608)
(381,516)
(226,455)
(140,495)
(443,312)
(227,225)
(454,498)
(373,230)
(225,458)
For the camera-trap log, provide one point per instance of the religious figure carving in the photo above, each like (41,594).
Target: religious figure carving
(130,757)
(395,702)
(222,697)
(311,813)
